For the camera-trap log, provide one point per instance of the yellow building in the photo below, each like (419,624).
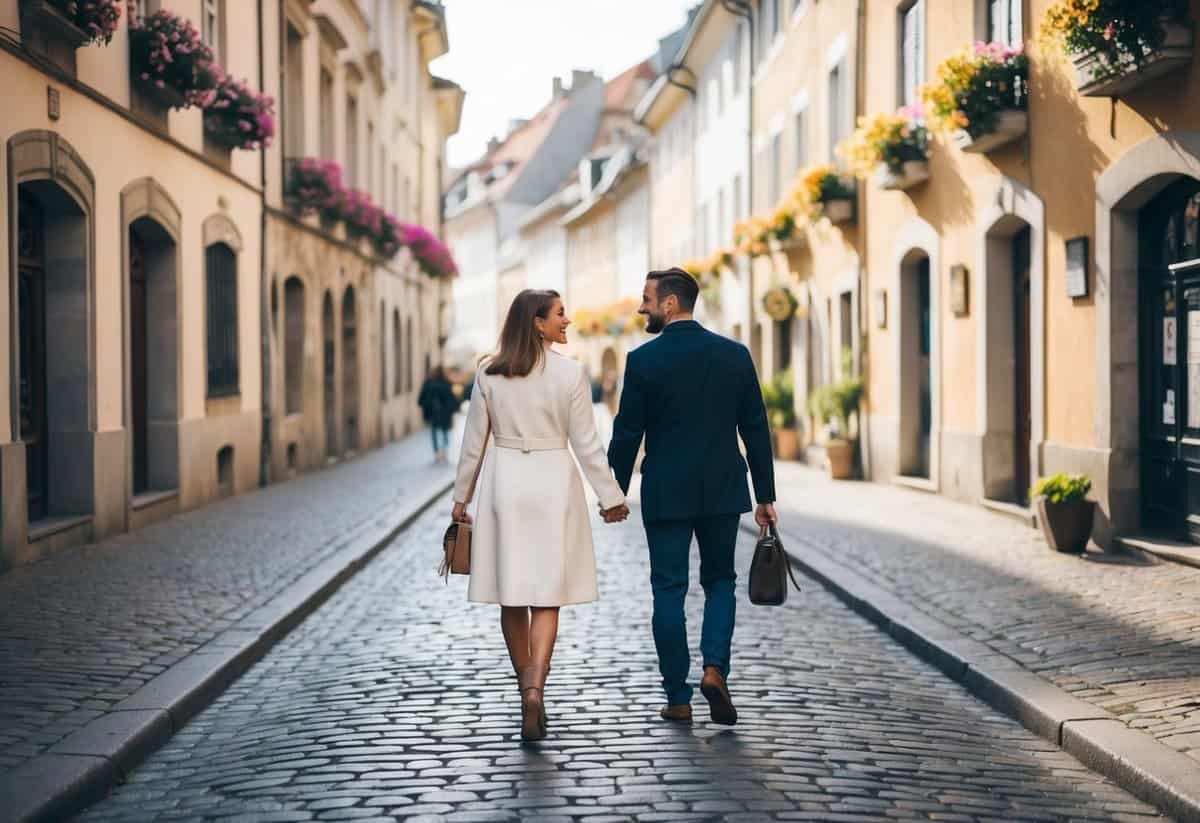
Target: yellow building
(151,260)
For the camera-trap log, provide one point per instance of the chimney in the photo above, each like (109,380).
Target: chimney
(579,79)
(493,144)
(558,88)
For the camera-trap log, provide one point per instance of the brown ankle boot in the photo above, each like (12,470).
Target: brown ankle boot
(517,672)
(720,704)
(533,708)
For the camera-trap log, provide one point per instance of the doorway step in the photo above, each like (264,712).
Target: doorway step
(1163,548)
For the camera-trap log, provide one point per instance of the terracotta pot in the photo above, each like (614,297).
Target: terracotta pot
(787,444)
(839,457)
(1067,527)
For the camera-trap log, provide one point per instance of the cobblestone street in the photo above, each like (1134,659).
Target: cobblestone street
(395,700)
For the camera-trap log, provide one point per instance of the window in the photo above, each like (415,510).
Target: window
(351,141)
(738,34)
(770,24)
(220,267)
(837,108)
(722,232)
(912,51)
(722,83)
(210,27)
(371,176)
(328,115)
(1004,21)
(737,198)
(408,348)
(293,95)
(397,355)
(382,352)
(774,169)
(801,138)
(702,229)
(293,345)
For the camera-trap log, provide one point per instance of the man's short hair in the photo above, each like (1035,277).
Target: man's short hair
(678,282)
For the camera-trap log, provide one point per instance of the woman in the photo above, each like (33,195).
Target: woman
(532,543)
(438,404)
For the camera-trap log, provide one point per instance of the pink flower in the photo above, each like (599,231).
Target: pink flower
(1109,31)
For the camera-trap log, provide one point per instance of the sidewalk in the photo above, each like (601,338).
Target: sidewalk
(108,647)
(1119,632)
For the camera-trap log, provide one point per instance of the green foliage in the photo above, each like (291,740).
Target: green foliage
(838,401)
(779,398)
(1062,488)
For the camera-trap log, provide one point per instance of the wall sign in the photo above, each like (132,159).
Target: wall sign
(1077,267)
(958,290)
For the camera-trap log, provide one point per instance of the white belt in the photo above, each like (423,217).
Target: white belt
(531,444)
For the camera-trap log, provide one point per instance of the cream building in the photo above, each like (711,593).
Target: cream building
(352,334)
(146,284)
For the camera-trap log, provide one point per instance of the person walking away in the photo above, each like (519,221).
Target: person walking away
(438,404)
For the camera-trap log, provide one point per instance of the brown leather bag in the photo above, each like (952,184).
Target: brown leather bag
(456,542)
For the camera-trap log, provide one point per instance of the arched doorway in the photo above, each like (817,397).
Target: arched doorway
(1169,359)
(1007,349)
(53,375)
(293,345)
(153,357)
(916,365)
(329,374)
(350,368)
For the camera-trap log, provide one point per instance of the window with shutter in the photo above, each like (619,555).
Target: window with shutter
(912,51)
(801,138)
(1005,22)
(837,108)
(774,170)
(221,293)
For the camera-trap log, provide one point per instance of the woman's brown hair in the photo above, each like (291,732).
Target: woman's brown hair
(521,349)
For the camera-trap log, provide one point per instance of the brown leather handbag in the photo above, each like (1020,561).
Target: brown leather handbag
(456,542)
(770,570)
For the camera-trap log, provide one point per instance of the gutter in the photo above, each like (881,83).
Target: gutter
(744,10)
(264,316)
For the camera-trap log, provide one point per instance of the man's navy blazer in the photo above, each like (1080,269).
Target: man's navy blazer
(691,393)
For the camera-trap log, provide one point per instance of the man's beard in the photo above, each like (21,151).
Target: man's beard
(655,323)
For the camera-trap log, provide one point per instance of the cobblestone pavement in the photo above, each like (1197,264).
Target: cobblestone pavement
(1118,631)
(394,701)
(85,628)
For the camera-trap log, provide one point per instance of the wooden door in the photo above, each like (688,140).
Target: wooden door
(31,314)
(138,355)
(1023,422)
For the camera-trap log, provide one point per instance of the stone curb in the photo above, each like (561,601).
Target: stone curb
(1133,760)
(80,769)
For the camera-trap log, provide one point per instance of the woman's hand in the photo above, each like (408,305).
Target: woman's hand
(616,514)
(459,515)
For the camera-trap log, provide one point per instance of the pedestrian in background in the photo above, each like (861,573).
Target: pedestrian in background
(438,405)
(531,549)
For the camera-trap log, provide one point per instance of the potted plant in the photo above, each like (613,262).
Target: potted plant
(1118,45)
(779,399)
(170,63)
(981,96)
(74,22)
(431,254)
(893,148)
(819,191)
(238,117)
(314,186)
(1064,512)
(362,216)
(751,236)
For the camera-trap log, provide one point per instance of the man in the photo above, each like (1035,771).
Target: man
(691,393)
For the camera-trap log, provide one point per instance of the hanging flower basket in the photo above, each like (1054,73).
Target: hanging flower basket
(431,254)
(980,96)
(170,63)
(1119,45)
(239,117)
(314,186)
(894,148)
(779,303)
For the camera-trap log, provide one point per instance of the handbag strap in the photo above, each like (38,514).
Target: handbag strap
(778,542)
(483,449)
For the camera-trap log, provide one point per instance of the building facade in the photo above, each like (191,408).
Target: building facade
(145,285)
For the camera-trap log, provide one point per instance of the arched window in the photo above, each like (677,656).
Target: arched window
(293,345)
(408,350)
(397,354)
(382,352)
(220,265)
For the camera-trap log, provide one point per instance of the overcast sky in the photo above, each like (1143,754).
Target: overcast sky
(505,52)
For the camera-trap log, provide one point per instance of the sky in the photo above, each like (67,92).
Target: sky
(504,53)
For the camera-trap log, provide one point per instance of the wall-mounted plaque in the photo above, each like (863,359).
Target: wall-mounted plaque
(958,290)
(1077,267)
(880,308)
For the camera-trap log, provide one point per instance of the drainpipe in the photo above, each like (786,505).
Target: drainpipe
(860,100)
(745,10)
(264,316)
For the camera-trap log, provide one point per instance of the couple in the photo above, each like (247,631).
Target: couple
(690,393)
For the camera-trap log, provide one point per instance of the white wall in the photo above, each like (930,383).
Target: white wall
(633,242)
(546,257)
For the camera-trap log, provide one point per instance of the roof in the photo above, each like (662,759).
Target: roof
(616,90)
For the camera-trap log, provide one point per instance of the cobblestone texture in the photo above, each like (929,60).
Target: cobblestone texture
(85,628)
(395,701)
(1118,631)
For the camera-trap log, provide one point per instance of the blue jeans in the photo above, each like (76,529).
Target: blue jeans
(440,435)
(670,550)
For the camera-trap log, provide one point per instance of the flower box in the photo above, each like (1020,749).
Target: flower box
(839,210)
(50,21)
(169,62)
(911,173)
(164,96)
(1097,77)
(1010,125)
(239,117)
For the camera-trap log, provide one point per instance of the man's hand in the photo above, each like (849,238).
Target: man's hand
(616,514)
(765,514)
(459,515)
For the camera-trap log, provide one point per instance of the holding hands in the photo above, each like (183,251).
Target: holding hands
(616,514)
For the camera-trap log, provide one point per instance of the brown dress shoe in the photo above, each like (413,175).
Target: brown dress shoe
(720,704)
(678,713)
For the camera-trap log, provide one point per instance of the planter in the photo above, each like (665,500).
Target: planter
(912,173)
(1010,125)
(51,23)
(165,97)
(1067,527)
(1096,78)
(839,458)
(787,444)
(840,210)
